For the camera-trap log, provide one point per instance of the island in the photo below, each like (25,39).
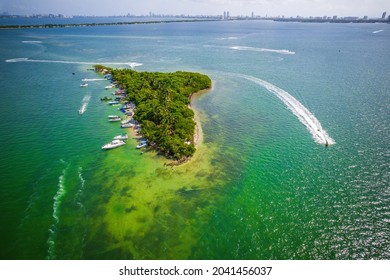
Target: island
(162,102)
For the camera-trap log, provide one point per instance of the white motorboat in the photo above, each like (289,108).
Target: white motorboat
(84,85)
(126,121)
(142,144)
(115,119)
(121,137)
(127,125)
(113,144)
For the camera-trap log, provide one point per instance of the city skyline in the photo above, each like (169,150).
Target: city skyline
(272,8)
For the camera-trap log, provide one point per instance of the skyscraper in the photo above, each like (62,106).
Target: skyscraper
(384,15)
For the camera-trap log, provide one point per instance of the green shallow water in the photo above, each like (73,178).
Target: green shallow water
(259,187)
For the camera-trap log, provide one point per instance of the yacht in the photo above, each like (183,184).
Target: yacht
(113,144)
(84,85)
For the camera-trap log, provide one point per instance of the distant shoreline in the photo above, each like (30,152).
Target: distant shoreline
(67,25)
(302,20)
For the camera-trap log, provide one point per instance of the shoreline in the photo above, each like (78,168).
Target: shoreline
(198,134)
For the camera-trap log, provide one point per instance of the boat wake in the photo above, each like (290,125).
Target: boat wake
(244,48)
(23,59)
(80,192)
(93,80)
(84,105)
(56,205)
(378,31)
(307,118)
(228,38)
(32,42)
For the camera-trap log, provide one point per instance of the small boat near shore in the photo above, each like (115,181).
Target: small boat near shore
(113,144)
(126,121)
(114,102)
(142,144)
(118,119)
(127,125)
(121,137)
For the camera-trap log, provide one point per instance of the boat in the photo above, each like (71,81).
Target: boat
(113,116)
(127,125)
(142,144)
(116,119)
(121,137)
(126,121)
(113,102)
(113,144)
(110,86)
(84,85)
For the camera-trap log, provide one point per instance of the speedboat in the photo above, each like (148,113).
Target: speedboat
(121,137)
(113,144)
(126,121)
(142,144)
(127,125)
(113,102)
(110,86)
(115,119)
(84,85)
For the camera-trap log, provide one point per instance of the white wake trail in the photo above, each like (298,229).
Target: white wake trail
(57,200)
(84,105)
(245,48)
(23,59)
(301,112)
(93,80)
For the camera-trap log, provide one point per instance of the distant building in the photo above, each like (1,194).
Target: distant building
(227,15)
(334,17)
(253,14)
(365,17)
(351,18)
(384,15)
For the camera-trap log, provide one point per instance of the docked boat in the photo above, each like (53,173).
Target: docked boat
(127,125)
(142,144)
(113,144)
(126,121)
(84,85)
(116,119)
(109,87)
(121,137)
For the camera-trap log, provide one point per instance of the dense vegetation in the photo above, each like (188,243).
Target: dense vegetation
(162,106)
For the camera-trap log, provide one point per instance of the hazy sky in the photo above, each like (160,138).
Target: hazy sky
(371,8)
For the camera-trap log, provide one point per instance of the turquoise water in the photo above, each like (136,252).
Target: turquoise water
(262,186)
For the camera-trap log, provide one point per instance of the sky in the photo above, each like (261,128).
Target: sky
(370,8)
